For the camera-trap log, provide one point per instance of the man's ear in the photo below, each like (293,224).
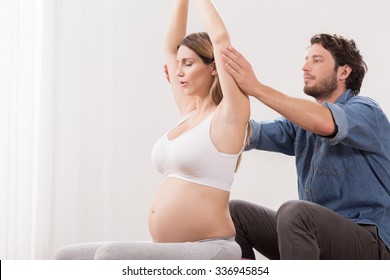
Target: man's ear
(345,72)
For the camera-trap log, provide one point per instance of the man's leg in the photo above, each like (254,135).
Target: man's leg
(255,228)
(310,231)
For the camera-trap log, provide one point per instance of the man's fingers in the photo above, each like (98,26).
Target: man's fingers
(233,54)
(233,58)
(229,62)
(232,71)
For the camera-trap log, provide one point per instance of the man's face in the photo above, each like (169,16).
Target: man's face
(319,74)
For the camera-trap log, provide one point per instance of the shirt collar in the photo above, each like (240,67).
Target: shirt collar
(345,96)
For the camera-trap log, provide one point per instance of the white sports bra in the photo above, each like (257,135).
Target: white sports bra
(193,157)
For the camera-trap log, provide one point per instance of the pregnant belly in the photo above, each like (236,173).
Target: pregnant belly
(184,211)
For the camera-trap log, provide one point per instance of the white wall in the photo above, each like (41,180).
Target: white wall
(112,102)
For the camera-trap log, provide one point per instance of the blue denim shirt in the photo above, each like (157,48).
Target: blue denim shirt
(349,173)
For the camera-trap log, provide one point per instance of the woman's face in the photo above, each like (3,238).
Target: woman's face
(195,77)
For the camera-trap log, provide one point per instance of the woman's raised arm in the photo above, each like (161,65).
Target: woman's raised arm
(176,31)
(235,104)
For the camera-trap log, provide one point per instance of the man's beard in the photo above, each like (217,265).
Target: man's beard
(323,89)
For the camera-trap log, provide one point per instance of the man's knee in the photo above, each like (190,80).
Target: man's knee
(291,212)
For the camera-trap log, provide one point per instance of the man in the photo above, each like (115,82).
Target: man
(341,143)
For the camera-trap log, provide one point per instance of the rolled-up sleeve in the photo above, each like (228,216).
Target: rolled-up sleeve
(341,121)
(360,123)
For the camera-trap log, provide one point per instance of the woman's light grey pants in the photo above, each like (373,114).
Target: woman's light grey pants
(209,249)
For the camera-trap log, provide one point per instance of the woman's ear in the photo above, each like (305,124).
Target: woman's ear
(213,68)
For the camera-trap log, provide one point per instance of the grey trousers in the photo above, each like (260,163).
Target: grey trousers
(303,230)
(208,249)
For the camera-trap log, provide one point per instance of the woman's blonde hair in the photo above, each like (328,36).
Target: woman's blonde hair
(201,44)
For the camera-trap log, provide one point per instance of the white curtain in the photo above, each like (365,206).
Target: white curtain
(26,108)
(74,160)
(25,146)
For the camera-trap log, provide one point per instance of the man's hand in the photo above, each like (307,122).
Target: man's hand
(240,69)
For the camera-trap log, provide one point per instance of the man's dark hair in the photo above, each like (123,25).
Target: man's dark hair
(344,52)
